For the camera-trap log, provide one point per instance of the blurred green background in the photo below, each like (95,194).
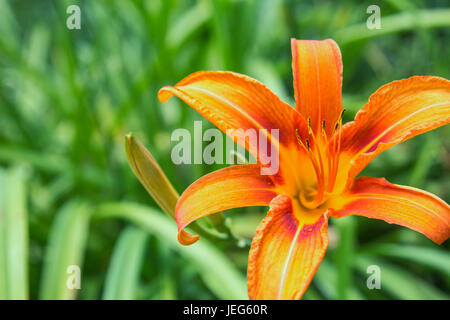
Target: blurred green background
(68,97)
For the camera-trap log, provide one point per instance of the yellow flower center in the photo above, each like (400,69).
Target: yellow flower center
(324,157)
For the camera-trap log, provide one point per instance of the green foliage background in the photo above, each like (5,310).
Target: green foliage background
(67,98)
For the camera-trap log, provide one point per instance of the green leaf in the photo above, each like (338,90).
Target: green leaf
(431,257)
(122,277)
(190,21)
(425,159)
(214,267)
(3,266)
(406,21)
(66,246)
(13,235)
(399,283)
(326,279)
(344,255)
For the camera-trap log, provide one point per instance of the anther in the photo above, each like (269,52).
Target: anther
(309,125)
(298,137)
(299,140)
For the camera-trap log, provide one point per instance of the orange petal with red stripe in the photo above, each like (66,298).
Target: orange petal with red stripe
(244,108)
(406,206)
(235,102)
(397,111)
(231,187)
(317,69)
(285,255)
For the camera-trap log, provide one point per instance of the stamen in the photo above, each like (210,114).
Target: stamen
(321,181)
(327,151)
(309,126)
(342,115)
(332,159)
(317,170)
(336,151)
(299,140)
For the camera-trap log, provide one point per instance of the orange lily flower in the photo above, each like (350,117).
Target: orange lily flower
(319,159)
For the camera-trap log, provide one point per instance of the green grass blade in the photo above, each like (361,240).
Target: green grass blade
(406,21)
(427,256)
(3,269)
(425,159)
(188,23)
(66,246)
(326,280)
(123,273)
(399,283)
(214,267)
(345,255)
(13,235)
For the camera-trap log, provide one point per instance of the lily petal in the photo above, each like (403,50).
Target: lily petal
(285,255)
(235,102)
(397,111)
(406,206)
(231,187)
(317,68)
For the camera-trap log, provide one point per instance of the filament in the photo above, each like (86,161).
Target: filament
(336,151)
(318,168)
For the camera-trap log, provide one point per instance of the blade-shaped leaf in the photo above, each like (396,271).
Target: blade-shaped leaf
(65,249)
(430,257)
(326,279)
(123,272)
(399,283)
(215,268)
(13,235)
